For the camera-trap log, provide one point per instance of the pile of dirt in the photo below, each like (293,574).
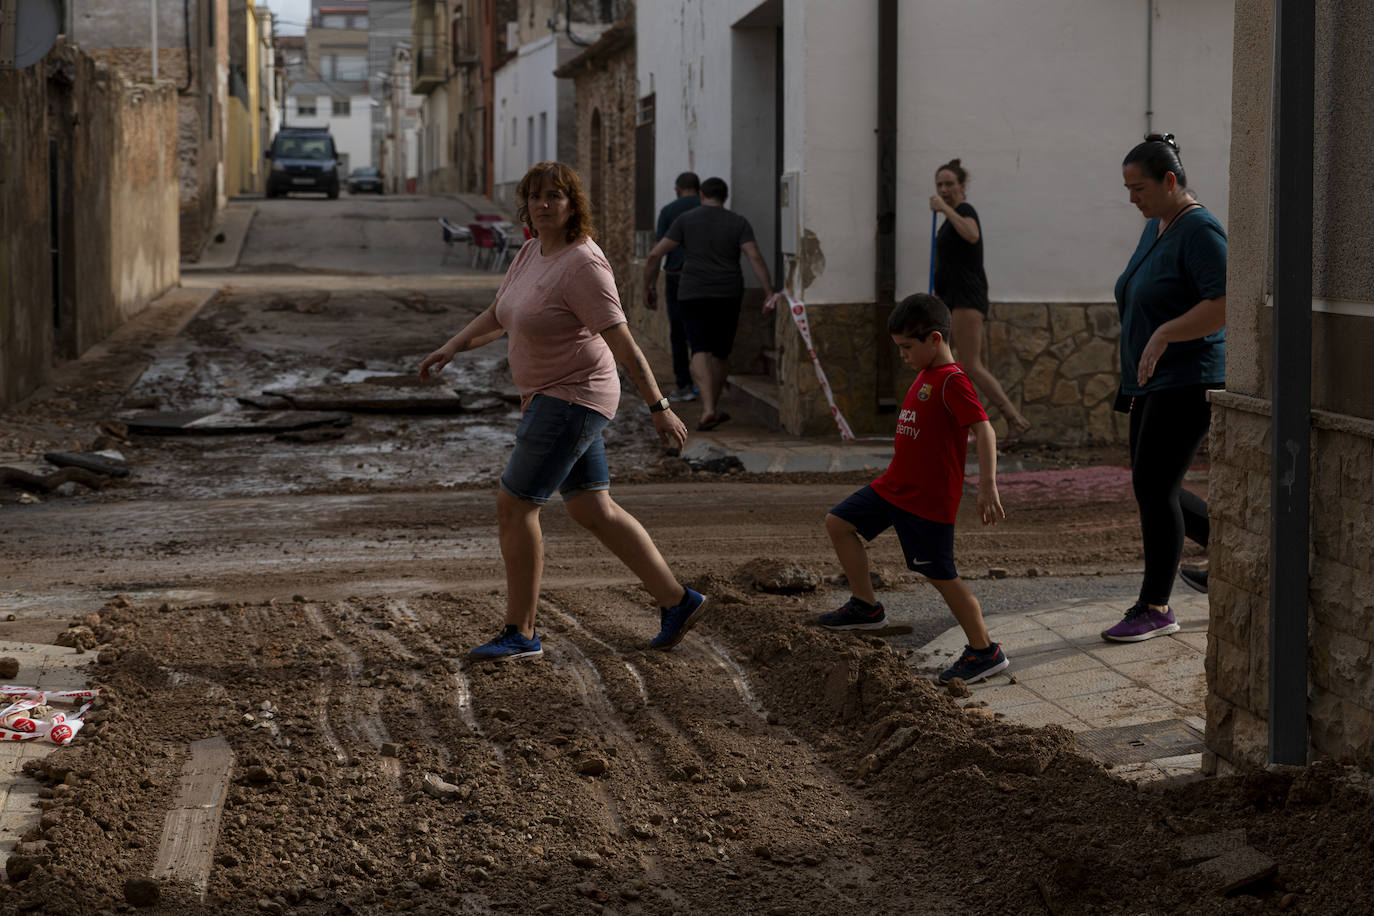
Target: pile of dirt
(764,766)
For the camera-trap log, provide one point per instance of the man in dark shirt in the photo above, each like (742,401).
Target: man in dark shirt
(711,287)
(687,187)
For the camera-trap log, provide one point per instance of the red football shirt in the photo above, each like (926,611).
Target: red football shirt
(926,476)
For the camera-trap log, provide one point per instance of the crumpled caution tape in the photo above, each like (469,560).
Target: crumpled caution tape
(30,716)
(797,309)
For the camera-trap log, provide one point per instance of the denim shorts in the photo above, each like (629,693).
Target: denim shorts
(927,546)
(558,446)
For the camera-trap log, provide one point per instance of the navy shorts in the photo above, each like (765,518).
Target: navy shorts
(927,546)
(711,324)
(558,446)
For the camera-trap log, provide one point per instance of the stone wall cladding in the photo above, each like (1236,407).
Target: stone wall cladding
(610,90)
(1058,362)
(1341,594)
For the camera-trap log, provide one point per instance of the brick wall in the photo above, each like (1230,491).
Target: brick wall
(608,89)
(1341,600)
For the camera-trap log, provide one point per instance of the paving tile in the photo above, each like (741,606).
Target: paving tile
(1004,696)
(1042,713)
(1189,692)
(1008,625)
(1118,706)
(1038,641)
(1032,670)
(1195,640)
(1116,654)
(1084,681)
(1171,667)
(1177,766)
(1138,772)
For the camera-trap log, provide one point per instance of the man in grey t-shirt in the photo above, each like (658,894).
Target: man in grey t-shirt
(711,287)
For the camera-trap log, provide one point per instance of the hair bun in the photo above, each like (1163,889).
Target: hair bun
(954,162)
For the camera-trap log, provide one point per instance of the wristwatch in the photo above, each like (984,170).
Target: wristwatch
(659,406)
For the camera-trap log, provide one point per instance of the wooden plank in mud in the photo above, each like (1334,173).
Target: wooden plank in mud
(192,826)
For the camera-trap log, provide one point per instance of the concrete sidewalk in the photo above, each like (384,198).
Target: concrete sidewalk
(227,238)
(1137,706)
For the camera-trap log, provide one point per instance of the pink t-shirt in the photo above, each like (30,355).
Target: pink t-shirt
(554,310)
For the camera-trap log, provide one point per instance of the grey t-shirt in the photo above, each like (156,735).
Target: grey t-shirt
(712,237)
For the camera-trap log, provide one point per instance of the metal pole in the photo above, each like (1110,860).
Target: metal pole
(152,4)
(1291,385)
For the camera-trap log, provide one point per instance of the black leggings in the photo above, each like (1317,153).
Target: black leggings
(1167,427)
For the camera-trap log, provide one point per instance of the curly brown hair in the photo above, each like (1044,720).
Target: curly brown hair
(565,178)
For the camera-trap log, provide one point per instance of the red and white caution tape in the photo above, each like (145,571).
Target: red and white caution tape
(30,716)
(797,308)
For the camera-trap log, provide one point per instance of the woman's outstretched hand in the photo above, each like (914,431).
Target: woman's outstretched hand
(435,362)
(672,432)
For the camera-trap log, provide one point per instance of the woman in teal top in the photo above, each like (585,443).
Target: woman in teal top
(1172,302)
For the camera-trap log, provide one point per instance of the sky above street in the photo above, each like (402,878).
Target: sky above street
(292,15)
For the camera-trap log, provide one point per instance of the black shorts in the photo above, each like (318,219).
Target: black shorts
(710,323)
(927,546)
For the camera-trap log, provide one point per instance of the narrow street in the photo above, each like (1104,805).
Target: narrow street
(278,620)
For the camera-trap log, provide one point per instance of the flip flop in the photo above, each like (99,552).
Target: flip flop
(719,418)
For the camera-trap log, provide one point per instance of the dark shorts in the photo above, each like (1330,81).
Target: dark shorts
(558,446)
(927,546)
(711,323)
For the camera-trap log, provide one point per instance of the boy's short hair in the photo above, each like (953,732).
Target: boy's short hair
(919,314)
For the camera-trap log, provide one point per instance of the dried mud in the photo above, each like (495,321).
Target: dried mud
(764,766)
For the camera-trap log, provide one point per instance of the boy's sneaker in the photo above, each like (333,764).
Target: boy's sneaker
(1141,623)
(508,646)
(1194,578)
(683,393)
(852,616)
(974,665)
(678,619)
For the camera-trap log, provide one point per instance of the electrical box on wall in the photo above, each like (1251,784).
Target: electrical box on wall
(789,211)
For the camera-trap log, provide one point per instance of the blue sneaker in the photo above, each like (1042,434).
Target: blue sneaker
(974,666)
(849,616)
(678,619)
(509,646)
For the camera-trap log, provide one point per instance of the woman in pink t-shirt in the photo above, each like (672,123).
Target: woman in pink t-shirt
(559,306)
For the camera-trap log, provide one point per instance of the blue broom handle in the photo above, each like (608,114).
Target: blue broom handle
(933,217)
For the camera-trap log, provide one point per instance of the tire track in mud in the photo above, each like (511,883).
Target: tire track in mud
(680,756)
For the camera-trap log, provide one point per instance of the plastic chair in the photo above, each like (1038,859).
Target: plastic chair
(488,217)
(483,243)
(505,247)
(453,236)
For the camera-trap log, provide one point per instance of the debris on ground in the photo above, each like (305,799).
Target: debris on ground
(109,463)
(779,577)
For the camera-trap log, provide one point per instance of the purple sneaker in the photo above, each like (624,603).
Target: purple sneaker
(1141,623)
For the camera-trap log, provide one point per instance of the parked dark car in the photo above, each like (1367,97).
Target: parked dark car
(303,159)
(365,178)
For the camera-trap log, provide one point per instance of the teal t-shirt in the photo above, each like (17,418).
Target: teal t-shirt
(1167,276)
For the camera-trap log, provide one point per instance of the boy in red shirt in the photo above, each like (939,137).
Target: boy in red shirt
(919,493)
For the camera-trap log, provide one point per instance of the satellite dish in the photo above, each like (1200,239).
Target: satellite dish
(28,29)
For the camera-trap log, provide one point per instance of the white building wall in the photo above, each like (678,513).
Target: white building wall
(526,117)
(1040,101)
(352,132)
(1048,100)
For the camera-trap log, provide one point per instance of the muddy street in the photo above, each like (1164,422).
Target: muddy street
(278,620)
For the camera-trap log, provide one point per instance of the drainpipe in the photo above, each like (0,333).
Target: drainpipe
(1291,384)
(885,260)
(1149,66)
